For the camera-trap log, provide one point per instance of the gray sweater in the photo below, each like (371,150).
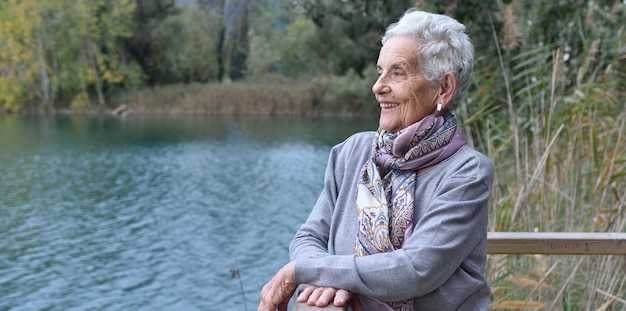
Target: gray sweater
(441,266)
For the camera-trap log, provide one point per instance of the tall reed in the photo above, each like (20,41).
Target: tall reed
(559,147)
(236,98)
(348,95)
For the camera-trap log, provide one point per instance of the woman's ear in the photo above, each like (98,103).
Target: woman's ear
(446,89)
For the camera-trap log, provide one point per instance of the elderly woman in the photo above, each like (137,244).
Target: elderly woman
(402,221)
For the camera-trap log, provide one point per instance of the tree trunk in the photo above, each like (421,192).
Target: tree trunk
(92,61)
(220,53)
(43,89)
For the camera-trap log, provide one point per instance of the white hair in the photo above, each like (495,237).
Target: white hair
(444,47)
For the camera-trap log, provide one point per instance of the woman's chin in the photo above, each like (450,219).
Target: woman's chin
(387,126)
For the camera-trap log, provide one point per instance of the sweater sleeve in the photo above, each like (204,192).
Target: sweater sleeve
(447,246)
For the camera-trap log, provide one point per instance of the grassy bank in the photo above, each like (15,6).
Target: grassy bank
(277,97)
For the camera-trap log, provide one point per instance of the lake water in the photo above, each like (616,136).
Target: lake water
(154,212)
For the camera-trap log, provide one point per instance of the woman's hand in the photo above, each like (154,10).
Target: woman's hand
(276,293)
(322,296)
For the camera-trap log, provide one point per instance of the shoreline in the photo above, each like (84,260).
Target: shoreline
(286,98)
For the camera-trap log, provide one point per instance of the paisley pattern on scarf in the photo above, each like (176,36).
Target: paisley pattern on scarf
(384,196)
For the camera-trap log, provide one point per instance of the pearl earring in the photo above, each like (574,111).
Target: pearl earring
(439,107)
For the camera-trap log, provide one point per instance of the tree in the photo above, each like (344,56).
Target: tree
(184,41)
(298,48)
(349,31)
(20,52)
(218,8)
(232,44)
(89,57)
(241,43)
(262,58)
(147,50)
(99,27)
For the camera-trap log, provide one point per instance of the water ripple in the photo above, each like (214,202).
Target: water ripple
(111,222)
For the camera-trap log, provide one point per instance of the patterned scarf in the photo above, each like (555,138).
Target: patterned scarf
(384,198)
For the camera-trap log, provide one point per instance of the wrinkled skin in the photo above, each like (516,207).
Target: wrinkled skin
(403,94)
(276,293)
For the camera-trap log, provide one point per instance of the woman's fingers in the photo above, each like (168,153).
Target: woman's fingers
(322,296)
(304,295)
(342,297)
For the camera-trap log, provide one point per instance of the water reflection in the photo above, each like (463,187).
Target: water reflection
(153,212)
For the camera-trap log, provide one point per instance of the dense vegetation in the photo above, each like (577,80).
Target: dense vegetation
(547,103)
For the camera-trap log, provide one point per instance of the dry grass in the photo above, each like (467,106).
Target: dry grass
(557,137)
(217,98)
(276,97)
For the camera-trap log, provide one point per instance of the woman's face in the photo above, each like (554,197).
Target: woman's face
(405,97)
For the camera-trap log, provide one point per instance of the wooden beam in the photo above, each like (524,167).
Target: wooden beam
(572,243)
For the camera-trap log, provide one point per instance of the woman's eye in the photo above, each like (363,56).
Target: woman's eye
(398,74)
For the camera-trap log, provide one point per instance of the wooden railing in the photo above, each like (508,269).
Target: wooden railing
(568,243)
(558,243)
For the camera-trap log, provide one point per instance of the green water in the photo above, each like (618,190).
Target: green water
(153,212)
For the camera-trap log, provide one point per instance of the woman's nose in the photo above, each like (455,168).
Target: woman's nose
(380,86)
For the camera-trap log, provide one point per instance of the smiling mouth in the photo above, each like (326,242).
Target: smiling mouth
(388,105)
